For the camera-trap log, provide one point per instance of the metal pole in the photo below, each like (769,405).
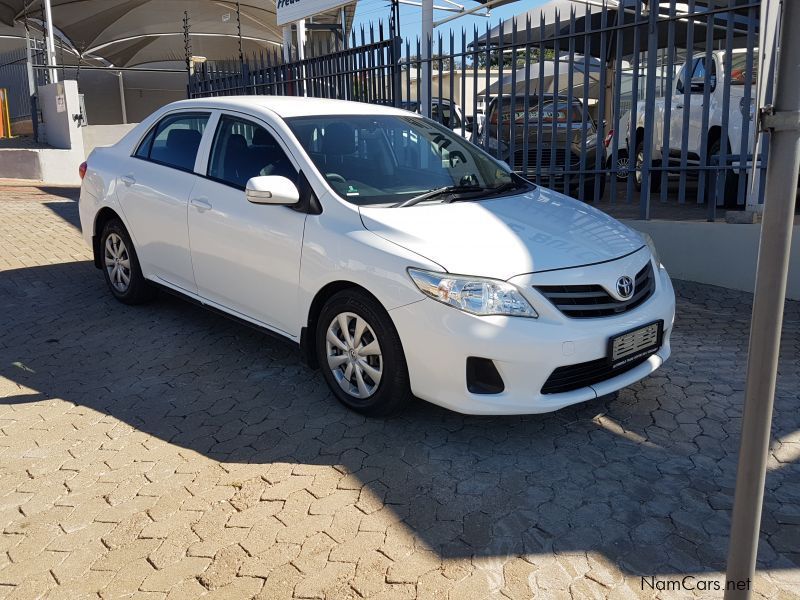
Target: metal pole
(287,43)
(51,46)
(301,39)
(765,329)
(427,42)
(122,98)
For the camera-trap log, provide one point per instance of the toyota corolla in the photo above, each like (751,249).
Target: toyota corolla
(401,259)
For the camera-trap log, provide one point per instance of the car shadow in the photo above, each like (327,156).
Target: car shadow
(644,478)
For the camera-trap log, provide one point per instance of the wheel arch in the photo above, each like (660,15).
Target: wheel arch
(104,215)
(307,333)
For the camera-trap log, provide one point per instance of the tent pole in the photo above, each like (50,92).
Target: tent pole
(51,46)
(122,98)
(783,122)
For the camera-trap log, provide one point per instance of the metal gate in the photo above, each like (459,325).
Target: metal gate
(646,104)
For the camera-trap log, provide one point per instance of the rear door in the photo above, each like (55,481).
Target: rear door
(153,190)
(246,256)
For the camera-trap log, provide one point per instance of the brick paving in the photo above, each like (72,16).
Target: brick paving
(165,452)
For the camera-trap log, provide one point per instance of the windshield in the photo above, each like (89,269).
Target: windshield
(390,159)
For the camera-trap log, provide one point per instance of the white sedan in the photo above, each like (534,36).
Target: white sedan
(403,260)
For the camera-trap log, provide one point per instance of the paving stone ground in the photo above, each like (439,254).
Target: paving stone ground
(165,452)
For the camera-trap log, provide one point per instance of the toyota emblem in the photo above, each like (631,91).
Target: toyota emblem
(625,287)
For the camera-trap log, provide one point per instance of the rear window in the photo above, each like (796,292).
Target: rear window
(549,112)
(174,141)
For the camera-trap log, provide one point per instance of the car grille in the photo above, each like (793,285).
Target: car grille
(574,377)
(589,301)
(563,159)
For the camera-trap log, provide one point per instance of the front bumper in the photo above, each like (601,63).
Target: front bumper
(438,339)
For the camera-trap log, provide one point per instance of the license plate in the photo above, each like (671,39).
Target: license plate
(631,345)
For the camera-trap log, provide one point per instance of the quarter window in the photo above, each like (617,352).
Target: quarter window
(175,140)
(243,150)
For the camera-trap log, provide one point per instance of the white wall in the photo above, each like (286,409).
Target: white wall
(716,253)
(95,136)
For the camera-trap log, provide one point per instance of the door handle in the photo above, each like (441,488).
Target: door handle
(201,204)
(128,180)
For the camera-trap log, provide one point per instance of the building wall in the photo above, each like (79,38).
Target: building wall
(716,253)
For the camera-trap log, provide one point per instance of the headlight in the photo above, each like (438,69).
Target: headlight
(473,294)
(652,245)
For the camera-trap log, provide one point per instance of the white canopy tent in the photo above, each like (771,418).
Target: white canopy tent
(126,33)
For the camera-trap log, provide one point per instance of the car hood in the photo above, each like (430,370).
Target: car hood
(541,230)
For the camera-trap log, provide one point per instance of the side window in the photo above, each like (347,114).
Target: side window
(174,141)
(706,75)
(243,150)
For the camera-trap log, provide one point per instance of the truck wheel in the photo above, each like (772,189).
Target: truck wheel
(730,188)
(655,178)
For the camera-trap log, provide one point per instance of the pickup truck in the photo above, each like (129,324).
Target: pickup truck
(702,79)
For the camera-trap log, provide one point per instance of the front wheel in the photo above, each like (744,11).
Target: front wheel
(361,356)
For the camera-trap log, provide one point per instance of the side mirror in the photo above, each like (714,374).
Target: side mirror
(697,85)
(272,189)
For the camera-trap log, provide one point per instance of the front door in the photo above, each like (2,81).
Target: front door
(246,256)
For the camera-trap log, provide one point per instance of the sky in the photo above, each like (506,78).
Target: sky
(411,18)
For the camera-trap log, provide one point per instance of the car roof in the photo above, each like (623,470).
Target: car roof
(291,106)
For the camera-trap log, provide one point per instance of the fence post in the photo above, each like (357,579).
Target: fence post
(397,52)
(427,62)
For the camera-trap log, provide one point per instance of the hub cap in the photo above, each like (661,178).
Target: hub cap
(354,355)
(118,263)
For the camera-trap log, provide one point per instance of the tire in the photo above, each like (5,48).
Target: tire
(655,179)
(119,263)
(623,165)
(351,375)
(730,189)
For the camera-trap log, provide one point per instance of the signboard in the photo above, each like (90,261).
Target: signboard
(61,99)
(290,11)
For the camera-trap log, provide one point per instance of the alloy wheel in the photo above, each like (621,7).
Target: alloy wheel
(623,167)
(118,263)
(354,355)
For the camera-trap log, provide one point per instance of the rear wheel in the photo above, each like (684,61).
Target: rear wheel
(121,265)
(730,187)
(622,165)
(361,356)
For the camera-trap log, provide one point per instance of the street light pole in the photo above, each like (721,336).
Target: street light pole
(783,122)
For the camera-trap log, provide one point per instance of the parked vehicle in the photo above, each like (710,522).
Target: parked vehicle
(703,79)
(402,259)
(443,111)
(560,149)
(621,167)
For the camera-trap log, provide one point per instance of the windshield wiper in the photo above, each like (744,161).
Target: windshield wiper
(489,191)
(449,189)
